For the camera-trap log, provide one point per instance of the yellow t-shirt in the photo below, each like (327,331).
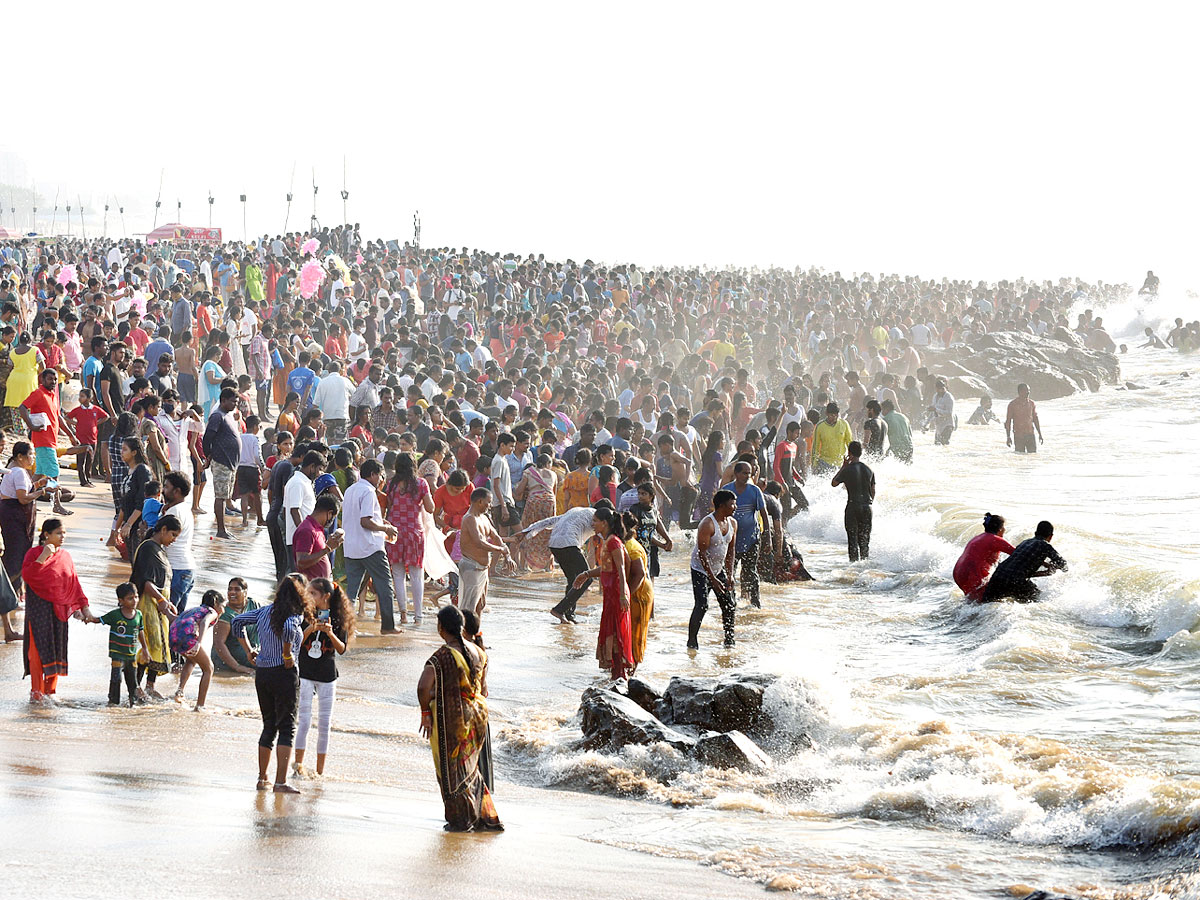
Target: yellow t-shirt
(830,442)
(722,349)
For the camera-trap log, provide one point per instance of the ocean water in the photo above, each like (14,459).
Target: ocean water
(971,750)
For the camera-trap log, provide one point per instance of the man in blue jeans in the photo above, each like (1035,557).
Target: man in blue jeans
(363,548)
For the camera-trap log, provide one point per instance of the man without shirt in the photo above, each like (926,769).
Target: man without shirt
(479,541)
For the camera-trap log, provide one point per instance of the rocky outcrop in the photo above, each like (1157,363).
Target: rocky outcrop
(732,750)
(730,703)
(611,720)
(1054,365)
(710,720)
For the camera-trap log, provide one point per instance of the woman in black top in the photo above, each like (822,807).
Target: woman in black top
(323,641)
(133,493)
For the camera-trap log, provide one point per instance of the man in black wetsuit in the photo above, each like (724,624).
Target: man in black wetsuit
(1034,558)
(860,493)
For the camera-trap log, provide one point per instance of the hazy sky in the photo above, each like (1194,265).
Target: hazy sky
(971,140)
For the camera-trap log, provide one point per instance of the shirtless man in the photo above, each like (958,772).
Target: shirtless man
(1021,421)
(479,540)
(674,472)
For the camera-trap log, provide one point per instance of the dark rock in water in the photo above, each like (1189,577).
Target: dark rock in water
(642,693)
(1044,895)
(730,703)
(612,720)
(1130,386)
(732,750)
(1054,365)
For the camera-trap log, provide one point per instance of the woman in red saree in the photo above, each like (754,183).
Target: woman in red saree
(614,646)
(452,694)
(52,594)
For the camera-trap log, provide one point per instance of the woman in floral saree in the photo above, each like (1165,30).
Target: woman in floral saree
(452,694)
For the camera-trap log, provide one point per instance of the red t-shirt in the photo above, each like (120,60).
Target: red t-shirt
(975,565)
(138,340)
(309,537)
(86,421)
(783,450)
(468,455)
(453,507)
(44,401)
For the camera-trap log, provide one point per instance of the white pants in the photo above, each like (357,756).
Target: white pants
(416,583)
(326,692)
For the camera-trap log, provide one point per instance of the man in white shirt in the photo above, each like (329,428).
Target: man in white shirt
(332,397)
(176,487)
(299,499)
(569,532)
(504,508)
(363,548)
(943,414)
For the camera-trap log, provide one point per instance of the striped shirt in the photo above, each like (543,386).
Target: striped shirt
(270,650)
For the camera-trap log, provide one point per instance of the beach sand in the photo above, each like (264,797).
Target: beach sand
(159,801)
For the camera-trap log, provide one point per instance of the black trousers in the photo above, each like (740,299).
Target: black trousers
(573,564)
(793,500)
(278,547)
(128,669)
(858,530)
(747,561)
(1022,591)
(725,599)
(278,689)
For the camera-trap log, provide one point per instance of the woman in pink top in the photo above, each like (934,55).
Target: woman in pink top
(980,555)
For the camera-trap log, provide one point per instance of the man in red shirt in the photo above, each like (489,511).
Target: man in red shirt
(785,471)
(137,338)
(43,402)
(308,542)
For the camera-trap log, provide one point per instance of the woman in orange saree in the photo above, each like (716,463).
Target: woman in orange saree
(452,694)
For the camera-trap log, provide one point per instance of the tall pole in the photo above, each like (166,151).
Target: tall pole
(210,206)
(291,184)
(68,218)
(345,193)
(243,218)
(312,225)
(158,199)
(12,208)
(178,210)
(105,233)
(82,224)
(121,210)
(54,216)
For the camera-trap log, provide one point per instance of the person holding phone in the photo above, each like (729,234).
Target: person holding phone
(324,640)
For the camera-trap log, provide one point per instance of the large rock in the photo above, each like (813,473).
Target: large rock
(732,750)
(610,720)
(641,692)
(1054,365)
(733,702)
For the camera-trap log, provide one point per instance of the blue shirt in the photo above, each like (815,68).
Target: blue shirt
(270,645)
(154,350)
(749,502)
(90,376)
(301,381)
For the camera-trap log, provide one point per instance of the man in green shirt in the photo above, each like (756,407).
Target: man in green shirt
(899,432)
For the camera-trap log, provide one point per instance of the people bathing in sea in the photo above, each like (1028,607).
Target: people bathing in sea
(983,415)
(1034,558)
(979,557)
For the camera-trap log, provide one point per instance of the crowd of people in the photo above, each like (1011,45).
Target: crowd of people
(430,419)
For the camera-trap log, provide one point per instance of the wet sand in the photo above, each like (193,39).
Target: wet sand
(160,801)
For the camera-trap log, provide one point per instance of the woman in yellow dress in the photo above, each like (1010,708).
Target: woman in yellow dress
(641,589)
(27,363)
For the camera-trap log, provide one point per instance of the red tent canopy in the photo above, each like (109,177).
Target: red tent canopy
(164,232)
(5,233)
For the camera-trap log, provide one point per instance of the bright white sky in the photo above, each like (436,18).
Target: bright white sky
(934,138)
